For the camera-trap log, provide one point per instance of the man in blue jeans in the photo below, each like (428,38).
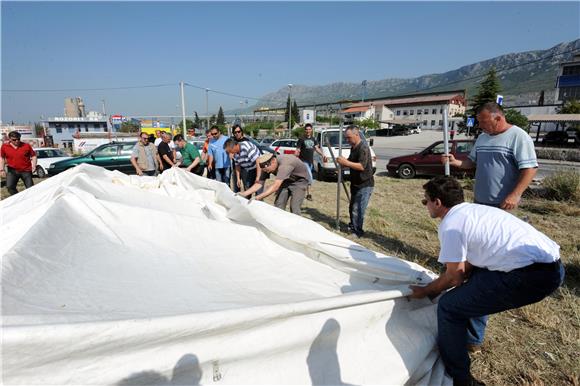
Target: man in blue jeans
(362,181)
(494,261)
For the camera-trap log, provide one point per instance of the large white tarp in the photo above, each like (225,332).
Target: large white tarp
(116,279)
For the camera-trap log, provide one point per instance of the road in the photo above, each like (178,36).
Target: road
(389,147)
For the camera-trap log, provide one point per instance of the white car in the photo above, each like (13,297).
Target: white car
(329,135)
(46,156)
(284,146)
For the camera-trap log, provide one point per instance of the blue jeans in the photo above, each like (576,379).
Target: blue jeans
(309,170)
(359,200)
(223,175)
(487,292)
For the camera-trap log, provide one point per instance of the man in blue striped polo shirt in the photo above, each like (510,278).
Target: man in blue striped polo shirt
(245,155)
(505,160)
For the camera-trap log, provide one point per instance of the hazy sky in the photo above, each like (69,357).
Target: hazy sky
(247,48)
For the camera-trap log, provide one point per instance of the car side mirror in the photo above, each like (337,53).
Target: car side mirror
(371,142)
(92,156)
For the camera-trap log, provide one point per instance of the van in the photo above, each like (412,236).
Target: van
(330,135)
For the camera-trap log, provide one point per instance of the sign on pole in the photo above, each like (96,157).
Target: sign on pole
(499,99)
(470,121)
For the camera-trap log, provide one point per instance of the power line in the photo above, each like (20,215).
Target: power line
(94,89)
(501,70)
(233,95)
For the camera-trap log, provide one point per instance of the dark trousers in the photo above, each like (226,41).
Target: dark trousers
(12,177)
(487,292)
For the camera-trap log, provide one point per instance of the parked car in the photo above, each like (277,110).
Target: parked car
(263,148)
(428,161)
(112,156)
(330,135)
(284,146)
(267,141)
(45,157)
(555,138)
(416,130)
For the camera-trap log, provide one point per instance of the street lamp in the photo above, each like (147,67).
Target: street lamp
(206,108)
(289,109)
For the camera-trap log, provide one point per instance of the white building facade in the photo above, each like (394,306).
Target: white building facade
(64,129)
(422,110)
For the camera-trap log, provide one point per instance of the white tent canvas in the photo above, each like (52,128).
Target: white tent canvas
(116,279)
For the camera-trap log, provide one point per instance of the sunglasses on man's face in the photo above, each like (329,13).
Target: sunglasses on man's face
(14,139)
(237,131)
(215,134)
(145,138)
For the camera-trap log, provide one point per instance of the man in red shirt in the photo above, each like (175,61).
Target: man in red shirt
(20,161)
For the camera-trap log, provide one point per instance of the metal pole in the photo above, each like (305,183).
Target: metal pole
(207,108)
(339,177)
(289,110)
(446,139)
(182,106)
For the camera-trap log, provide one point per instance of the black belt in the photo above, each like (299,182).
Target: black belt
(542,266)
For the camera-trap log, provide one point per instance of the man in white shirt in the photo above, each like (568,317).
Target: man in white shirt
(495,261)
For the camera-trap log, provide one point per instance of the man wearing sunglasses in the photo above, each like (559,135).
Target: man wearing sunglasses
(219,159)
(145,158)
(20,161)
(493,262)
(290,183)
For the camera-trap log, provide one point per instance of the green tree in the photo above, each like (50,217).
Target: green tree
(298,132)
(221,119)
(130,127)
(295,113)
(367,123)
(287,112)
(212,120)
(571,107)
(516,118)
(486,92)
(38,129)
(188,125)
(196,120)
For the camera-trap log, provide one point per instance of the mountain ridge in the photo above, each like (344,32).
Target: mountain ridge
(523,75)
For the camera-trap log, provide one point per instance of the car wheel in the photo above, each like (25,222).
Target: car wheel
(320,173)
(40,172)
(406,171)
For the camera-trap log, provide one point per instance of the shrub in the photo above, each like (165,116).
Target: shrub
(564,185)
(559,154)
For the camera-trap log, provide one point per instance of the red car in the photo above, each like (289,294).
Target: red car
(428,161)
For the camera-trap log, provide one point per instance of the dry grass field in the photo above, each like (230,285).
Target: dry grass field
(534,345)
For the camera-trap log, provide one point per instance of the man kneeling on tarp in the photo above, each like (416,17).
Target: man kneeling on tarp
(495,261)
(291,181)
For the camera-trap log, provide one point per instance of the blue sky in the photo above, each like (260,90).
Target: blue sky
(248,48)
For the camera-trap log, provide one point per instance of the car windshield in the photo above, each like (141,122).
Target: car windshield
(332,137)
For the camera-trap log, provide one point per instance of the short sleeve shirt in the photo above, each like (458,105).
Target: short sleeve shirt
(361,153)
(247,156)
(189,153)
(220,156)
(493,239)
(18,159)
(307,147)
(499,159)
(290,170)
(164,149)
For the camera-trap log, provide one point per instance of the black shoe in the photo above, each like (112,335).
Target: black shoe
(309,197)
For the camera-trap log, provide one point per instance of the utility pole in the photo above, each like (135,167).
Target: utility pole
(207,108)
(446,139)
(182,107)
(289,109)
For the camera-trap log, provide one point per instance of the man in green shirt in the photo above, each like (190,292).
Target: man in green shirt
(191,159)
